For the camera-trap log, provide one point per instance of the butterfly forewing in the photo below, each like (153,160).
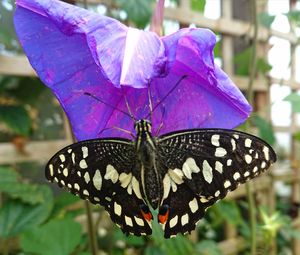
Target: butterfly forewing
(203,165)
(104,172)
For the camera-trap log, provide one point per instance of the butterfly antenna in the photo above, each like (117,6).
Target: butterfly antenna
(171,90)
(150,102)
(128,107)
(109,105)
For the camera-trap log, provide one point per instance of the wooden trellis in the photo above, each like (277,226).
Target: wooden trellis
(229,28)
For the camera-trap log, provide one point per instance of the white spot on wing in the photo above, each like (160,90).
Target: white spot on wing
(207,172)
(65,172)
(229,162)
(219,167)
(62,157)
(220,152)
(139,221)
(83,164)
(125,179)
(167,186)
(248,143)
(215,140)
(227,184)
(85,151)
(190,167)
(173,221)
(176,175)
(248,158)
(136,187)
(236,176)
(117,209)
(76,186)
(233,144)
(217,193)
(111,174)
(184,219)
(193,204)
(246,174)
(263,164)
(266,152)
(97,180)
(86,177)
(128,221)
(51,170)
(85,192)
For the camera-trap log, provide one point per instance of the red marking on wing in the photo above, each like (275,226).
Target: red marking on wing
(147,216)
(162,218)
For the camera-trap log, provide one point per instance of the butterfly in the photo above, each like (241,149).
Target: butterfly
(180,173)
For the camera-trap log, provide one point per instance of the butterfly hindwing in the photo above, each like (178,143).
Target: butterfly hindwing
(203,165)
(103,172)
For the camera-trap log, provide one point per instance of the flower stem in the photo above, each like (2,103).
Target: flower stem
(91,230)
(250,96)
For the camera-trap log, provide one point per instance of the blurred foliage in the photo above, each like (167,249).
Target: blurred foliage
(265,129)
(242,62)
(294,17)
(265,19)
(138,11)
(294,99)
(198,5)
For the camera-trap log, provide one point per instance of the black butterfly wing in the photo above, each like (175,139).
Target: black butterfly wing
(104,172)
(202,166)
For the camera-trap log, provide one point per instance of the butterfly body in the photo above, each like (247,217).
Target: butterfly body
(181,174)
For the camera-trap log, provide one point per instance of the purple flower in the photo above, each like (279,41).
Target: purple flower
(75,51)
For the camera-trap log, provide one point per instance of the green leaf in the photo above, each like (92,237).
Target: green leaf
(129,240)
(150,250)
(297,136)
(28,193)
(266,131)
(16,216)
(59,237)
(294,99)
(178,245)
(262,66)
(198,5)
(294,16)
(16,118)
(138,11)
(229,211)
(8,175)
(265,19)
(25,84)
(63,200)
(242,61)
(208,247)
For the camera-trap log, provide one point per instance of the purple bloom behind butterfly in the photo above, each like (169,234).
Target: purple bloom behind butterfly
(75,51)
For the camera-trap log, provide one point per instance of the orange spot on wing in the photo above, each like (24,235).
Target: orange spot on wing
(162,218)
(147,216)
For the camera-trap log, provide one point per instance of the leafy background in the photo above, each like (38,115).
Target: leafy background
(36,219)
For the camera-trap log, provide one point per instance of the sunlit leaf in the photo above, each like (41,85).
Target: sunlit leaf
(16,118)
(59,237)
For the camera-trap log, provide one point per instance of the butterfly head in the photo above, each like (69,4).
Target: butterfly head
(142,125)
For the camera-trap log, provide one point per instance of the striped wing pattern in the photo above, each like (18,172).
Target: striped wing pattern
(103,172)
(203,165)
